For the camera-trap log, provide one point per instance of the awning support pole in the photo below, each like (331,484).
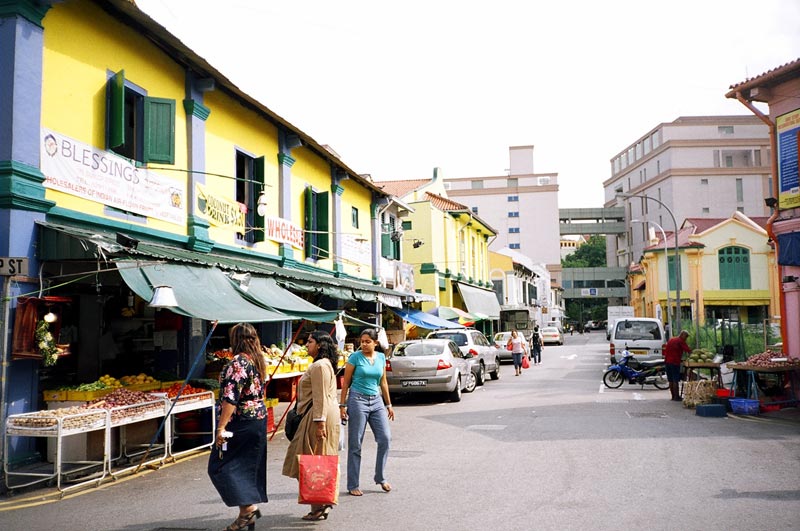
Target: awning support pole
(200,355)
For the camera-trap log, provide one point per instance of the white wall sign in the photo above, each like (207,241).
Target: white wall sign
(84,171)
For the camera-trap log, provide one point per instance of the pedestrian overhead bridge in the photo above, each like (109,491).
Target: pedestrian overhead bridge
(593,282)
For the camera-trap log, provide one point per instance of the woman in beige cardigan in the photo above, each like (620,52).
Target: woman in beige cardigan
(318,432)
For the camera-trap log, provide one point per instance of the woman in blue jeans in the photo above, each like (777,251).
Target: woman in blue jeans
(365,400)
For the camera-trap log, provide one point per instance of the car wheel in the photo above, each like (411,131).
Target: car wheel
(471,382)
(495,374)
(455,394)
(480,378)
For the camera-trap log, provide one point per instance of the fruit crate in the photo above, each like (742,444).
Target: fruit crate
(85,396)
(744,406)
(150,386)
(55,395)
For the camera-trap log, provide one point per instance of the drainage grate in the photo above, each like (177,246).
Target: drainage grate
(647,414)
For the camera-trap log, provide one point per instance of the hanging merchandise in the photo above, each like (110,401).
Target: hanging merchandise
(46,344)
(341,333)
(383,341)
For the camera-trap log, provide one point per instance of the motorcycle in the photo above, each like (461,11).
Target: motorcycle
(636,372)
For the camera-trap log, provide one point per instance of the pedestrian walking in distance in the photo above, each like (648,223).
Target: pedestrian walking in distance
(537,345)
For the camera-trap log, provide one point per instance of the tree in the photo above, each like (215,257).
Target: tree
(590,254)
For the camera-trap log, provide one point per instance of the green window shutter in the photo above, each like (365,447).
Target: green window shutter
(116,110)
(671,272)
(734,268)
(308,222)
(406,225)
(386,244)
(323,226)
(258,221)
(159,130)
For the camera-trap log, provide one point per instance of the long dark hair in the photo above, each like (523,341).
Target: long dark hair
(326,347)
(373,334)
(244,340)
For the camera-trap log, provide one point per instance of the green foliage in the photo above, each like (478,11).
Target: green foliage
(590,254)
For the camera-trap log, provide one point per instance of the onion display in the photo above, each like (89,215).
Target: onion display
(767,360)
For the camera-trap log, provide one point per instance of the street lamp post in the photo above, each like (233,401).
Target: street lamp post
(677,327)
(666,263)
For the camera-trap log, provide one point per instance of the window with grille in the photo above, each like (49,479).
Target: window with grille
(734,268)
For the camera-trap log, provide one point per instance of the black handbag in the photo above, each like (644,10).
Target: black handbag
(293,419)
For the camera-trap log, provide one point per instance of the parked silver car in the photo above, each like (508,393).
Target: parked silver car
(471,341)
(501,343)
(429,366)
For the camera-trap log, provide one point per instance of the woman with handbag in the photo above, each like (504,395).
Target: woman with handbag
(518,352)
(318,433)
(366,400)
(238,463)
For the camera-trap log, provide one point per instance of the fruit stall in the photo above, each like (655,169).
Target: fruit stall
(770,380)
(108,415)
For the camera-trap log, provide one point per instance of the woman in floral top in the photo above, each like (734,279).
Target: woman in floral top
(238,464)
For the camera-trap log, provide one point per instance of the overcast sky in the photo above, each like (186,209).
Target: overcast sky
(398,88)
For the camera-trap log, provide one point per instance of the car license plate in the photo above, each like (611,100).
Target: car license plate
(640,352)
(414,383)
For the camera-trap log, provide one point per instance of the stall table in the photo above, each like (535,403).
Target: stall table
(749,375)
(714,371)
(50,425)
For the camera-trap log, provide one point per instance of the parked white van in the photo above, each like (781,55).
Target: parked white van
(644,337)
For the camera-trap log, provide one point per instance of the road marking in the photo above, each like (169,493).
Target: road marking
(570,357)
(487,427)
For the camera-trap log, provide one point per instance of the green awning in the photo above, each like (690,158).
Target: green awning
(265,291)
(202,292)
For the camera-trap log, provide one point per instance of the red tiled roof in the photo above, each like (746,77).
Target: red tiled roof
(401,187)
(769,78)
(443,203)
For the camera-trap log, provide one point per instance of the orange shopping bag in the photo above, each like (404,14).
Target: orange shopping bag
(318,479)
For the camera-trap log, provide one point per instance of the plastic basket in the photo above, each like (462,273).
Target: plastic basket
(725,393)
(766,408)
(744,406)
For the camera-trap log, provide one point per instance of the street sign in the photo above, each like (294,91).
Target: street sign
(12,266)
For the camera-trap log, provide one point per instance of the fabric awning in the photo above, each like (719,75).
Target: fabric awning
(266,292)
(480,301)
(424,320)
(61,242)
(202,292)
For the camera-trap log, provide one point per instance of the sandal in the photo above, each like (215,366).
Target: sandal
(321,514)
(386,487)
(355,492)
(247,521)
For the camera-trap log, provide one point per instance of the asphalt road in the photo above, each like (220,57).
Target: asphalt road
(551,449)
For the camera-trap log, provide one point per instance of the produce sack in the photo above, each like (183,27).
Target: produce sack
(700,392)
(318,479)
(525,364)
(293,419)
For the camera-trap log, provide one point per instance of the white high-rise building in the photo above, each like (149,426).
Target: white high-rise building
(697,166)
(521,205)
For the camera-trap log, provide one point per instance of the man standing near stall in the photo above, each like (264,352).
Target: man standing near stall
(673,356)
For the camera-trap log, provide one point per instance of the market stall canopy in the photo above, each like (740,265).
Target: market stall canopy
(480,301)
(424,320)
(266,292)
(202,292)
(62,242)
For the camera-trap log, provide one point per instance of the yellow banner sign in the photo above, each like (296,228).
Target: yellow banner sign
(221,211)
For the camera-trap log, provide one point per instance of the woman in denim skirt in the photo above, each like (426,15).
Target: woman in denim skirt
(238,463)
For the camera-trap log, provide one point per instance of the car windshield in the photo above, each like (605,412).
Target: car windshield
(637,330)
(418,349)
(457,337)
